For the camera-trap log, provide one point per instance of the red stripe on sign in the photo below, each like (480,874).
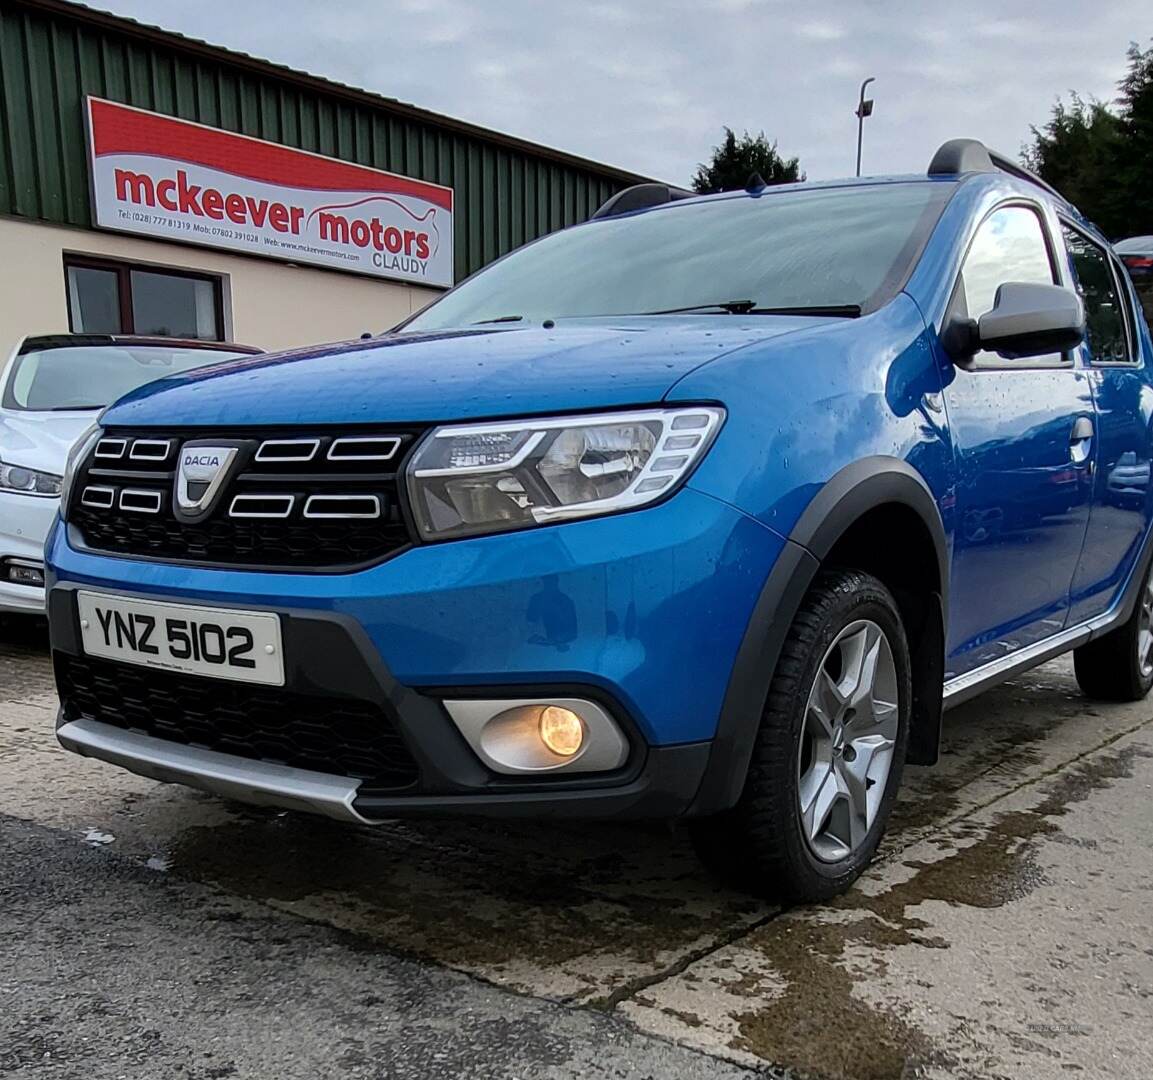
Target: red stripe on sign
(120,130)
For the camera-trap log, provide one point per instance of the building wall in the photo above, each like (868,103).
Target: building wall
(52,55)
(269,304)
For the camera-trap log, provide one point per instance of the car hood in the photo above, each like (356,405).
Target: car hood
(479,372)
(41,440)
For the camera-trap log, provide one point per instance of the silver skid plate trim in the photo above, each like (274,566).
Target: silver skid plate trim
(232,777)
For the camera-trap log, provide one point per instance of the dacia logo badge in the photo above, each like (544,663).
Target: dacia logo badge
(200,478)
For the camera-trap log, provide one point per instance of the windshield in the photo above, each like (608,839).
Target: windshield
(844,248)
(92,376)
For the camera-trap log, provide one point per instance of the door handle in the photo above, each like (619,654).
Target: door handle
(1082,430)
(1079,439)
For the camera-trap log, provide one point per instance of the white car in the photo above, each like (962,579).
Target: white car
(51,391)
(1136,253)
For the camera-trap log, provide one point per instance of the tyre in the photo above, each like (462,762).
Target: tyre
(829,752)
(1118,666)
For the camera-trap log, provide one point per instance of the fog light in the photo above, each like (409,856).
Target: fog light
(571,735)
(20,573)
(561,730)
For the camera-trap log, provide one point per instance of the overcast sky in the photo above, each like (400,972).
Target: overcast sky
(647,84)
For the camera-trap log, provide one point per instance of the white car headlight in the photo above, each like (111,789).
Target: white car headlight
(28,481)
(81,448)
(481,478)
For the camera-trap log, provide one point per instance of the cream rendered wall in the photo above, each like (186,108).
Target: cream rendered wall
(268,304)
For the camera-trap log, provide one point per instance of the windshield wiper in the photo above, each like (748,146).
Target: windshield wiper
(749,307)
(843,311)
(725,307)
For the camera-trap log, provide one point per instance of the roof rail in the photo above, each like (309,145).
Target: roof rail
(959,156)
(641,197)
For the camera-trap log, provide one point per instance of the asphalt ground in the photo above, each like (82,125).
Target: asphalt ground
(150,931)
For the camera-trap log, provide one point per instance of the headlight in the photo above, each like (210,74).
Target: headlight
(28,481)
(483,478)
(81,448)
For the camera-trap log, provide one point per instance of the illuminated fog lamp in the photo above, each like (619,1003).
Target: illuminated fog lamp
(519,736)
(561,730)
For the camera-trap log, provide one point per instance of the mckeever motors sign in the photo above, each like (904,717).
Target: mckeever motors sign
(175,180)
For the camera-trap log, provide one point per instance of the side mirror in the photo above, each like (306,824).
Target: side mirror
(1026,320)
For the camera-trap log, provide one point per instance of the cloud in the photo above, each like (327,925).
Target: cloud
(839,67)
(1009,29)
(648,84)
(820,31)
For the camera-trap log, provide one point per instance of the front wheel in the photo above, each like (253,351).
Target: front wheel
(1119,665)
(829,752)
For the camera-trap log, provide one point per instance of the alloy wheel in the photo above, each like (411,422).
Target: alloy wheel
(848,738)
(1145,629)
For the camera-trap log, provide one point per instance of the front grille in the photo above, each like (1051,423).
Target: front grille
(310,499)
(339,736)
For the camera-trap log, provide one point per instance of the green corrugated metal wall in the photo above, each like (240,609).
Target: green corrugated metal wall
(50,62)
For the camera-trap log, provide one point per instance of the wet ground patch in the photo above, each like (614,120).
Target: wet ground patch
(571,912)
(818,1023)
(817,1026)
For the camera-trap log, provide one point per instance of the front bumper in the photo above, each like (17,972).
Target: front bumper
(226,775)
(24,525)
(642,612)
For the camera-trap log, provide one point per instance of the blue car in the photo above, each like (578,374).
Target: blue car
(704,509)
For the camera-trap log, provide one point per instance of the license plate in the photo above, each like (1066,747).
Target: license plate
(240,645)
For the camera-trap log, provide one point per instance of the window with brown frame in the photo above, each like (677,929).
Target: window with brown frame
(110,297)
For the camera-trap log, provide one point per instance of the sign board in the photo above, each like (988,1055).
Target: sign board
(174,180)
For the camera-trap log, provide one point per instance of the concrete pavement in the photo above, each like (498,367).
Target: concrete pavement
(110,971)
(1002,933)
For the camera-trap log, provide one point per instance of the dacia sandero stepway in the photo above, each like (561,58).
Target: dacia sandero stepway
(703,509)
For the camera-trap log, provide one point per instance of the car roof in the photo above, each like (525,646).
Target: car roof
(1134,245)
(956,162)
(690,198)
(38,342)
(1018,184)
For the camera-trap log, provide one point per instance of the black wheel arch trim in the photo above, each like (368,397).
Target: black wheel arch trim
(863,486)
(852,492)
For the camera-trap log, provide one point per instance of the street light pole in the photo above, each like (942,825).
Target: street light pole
(864,108)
